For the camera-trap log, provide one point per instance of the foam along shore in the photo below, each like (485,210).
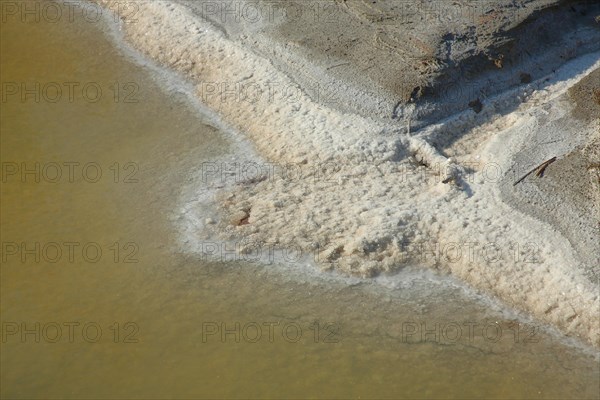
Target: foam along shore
(371,199)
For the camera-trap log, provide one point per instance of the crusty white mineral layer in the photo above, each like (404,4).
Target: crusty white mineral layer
(360,197)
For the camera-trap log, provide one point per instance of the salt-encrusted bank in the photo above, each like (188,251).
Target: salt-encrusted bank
(366,198)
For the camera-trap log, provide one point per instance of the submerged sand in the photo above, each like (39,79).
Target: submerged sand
(405,166)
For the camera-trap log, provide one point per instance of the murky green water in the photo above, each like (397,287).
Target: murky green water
(162,313)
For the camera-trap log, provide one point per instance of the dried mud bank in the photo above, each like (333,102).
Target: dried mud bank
(376,57)
(368,199)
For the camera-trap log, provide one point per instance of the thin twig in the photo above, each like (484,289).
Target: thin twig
(543,167)
(337,65)
(540,168)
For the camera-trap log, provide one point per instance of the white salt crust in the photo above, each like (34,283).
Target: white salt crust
(365,197)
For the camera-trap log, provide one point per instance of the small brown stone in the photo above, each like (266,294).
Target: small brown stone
(476,105)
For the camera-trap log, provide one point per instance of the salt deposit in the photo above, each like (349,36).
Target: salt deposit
(366,196)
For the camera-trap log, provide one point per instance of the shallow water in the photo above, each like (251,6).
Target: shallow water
(162,312)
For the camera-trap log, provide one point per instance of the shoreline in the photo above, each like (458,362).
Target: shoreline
(371,159)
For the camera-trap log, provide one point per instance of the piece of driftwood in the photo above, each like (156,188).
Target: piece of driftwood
(540,170)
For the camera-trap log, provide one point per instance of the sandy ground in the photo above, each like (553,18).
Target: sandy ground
(386,174)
